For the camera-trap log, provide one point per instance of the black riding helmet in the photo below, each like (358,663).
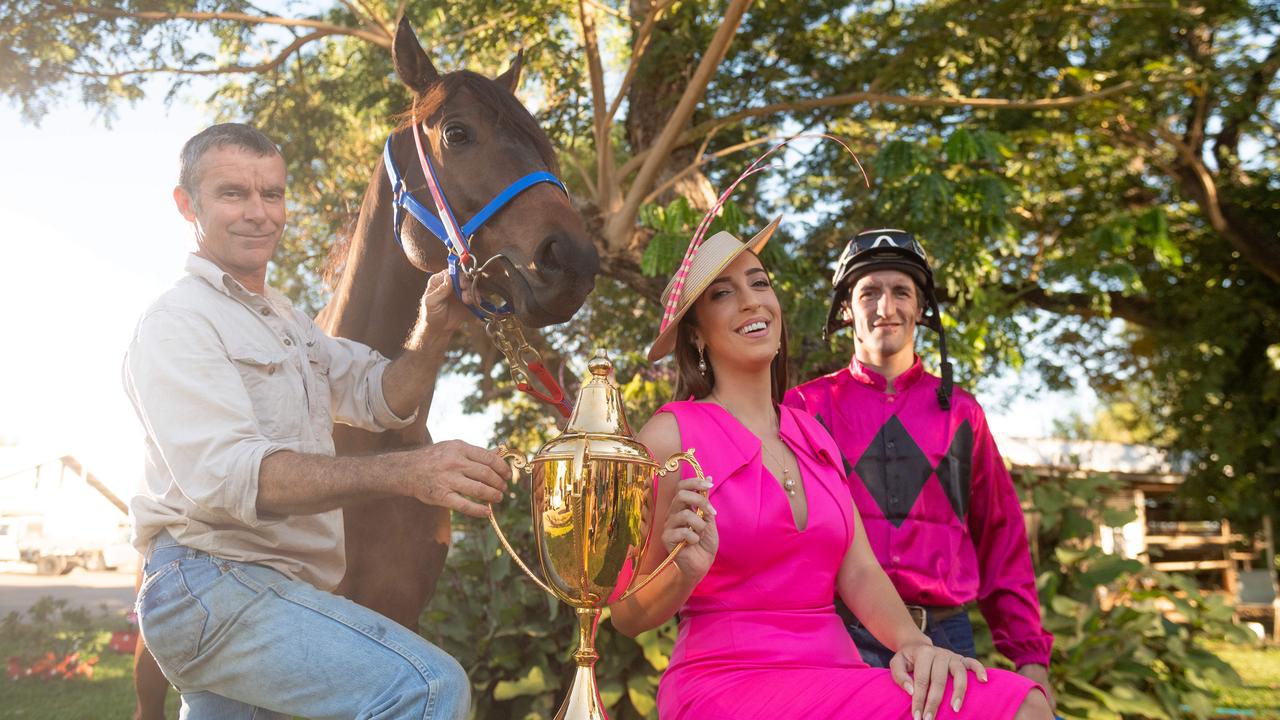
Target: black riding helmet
(888,249)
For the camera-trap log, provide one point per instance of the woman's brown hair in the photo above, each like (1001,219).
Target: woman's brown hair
(691,382)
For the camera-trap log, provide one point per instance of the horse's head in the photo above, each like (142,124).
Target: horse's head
(480,140)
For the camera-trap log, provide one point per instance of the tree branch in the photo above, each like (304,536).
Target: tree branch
(1135,309)
(379,40)
(267,66)
(1226,142)
(1262,252)
(907,100)
(374,21)
(703,159)
(617,227)
(605,8)
(605,194)
(637,52)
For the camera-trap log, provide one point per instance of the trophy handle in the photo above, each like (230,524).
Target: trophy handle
(671,465)
(517,463)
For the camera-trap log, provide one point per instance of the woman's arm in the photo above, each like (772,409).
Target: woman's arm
(676,519)
(917,666)
(866,589)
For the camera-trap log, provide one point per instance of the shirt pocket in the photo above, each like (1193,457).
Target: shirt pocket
(275,391)
(321,402)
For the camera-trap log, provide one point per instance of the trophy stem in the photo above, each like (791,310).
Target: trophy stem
(583,702)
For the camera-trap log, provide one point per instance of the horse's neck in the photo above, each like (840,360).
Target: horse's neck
(377,299)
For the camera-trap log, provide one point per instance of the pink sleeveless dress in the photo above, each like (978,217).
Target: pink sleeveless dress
(760,637)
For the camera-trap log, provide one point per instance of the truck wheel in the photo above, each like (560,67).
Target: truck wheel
(50,565)
(96,562)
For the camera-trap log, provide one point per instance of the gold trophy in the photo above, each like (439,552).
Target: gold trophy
(591,502)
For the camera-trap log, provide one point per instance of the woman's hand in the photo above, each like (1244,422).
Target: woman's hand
(685,524)
(922,669)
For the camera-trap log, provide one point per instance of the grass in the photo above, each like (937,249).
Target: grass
(49,626)
(1259,668)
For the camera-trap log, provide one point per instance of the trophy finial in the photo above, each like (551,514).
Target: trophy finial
(600,364)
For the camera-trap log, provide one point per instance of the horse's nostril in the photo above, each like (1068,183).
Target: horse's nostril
(549,257)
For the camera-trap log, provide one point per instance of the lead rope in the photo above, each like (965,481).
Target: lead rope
(526,362)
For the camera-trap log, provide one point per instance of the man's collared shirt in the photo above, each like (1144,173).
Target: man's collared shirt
(222,377)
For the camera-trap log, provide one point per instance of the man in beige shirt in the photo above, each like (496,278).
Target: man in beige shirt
(240,513)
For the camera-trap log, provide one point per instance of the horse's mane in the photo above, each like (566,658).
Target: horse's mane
(504,106)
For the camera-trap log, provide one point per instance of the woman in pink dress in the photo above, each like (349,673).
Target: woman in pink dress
(775,537)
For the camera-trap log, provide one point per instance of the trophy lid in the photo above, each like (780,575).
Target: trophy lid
(599,418)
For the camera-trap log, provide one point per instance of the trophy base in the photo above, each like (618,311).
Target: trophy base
(583,701)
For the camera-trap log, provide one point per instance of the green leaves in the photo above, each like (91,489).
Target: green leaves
(1116,653)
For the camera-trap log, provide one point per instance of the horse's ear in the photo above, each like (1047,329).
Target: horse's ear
(511,78)
(412,64)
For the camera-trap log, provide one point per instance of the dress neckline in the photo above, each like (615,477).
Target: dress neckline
(764,468)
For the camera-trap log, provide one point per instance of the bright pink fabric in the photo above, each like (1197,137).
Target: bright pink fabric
(934,557)
(759,638)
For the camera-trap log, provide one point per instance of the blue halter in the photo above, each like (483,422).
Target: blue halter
(404,201)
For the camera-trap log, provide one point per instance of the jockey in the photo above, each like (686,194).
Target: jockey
(939,506)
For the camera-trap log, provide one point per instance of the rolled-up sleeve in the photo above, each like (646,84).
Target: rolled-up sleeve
(355,385)
(197,413)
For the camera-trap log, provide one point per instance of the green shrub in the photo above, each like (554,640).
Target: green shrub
(1117,652)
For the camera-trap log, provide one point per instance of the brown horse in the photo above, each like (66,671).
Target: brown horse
(480,139)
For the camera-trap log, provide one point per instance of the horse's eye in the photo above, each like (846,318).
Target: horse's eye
(456,134)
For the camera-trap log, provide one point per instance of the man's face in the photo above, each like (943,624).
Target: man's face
(884,307)
(237,208)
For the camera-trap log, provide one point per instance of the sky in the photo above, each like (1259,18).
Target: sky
(91,237)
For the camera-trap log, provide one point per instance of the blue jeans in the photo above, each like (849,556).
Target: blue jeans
(242,641)
(955,633)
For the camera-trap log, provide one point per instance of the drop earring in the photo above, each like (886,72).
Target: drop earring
(702,359)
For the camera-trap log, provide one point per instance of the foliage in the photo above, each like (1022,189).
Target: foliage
(53,642)
(49,625)
(1096,182)
(1129,642)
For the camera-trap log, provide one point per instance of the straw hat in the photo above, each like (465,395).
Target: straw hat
(698,271)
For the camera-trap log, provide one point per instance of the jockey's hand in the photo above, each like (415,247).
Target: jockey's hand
(458,476)
(698,532)
(922,670)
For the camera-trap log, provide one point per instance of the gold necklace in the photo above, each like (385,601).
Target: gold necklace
(788,483)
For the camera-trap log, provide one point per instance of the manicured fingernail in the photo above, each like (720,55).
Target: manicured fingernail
(915,714)
(910,690)
(713,509)
(955,705)
(928,716)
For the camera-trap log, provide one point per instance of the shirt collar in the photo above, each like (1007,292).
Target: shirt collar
(869,377)
(222,280)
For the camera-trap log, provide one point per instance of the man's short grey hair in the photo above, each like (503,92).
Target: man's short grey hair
(216,136)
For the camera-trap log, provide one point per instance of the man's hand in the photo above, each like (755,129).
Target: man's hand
(922,669)
(1040,674)
(458,476)
(442,310)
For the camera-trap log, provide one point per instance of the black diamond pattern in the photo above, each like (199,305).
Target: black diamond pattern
(895,469)
(956,468)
